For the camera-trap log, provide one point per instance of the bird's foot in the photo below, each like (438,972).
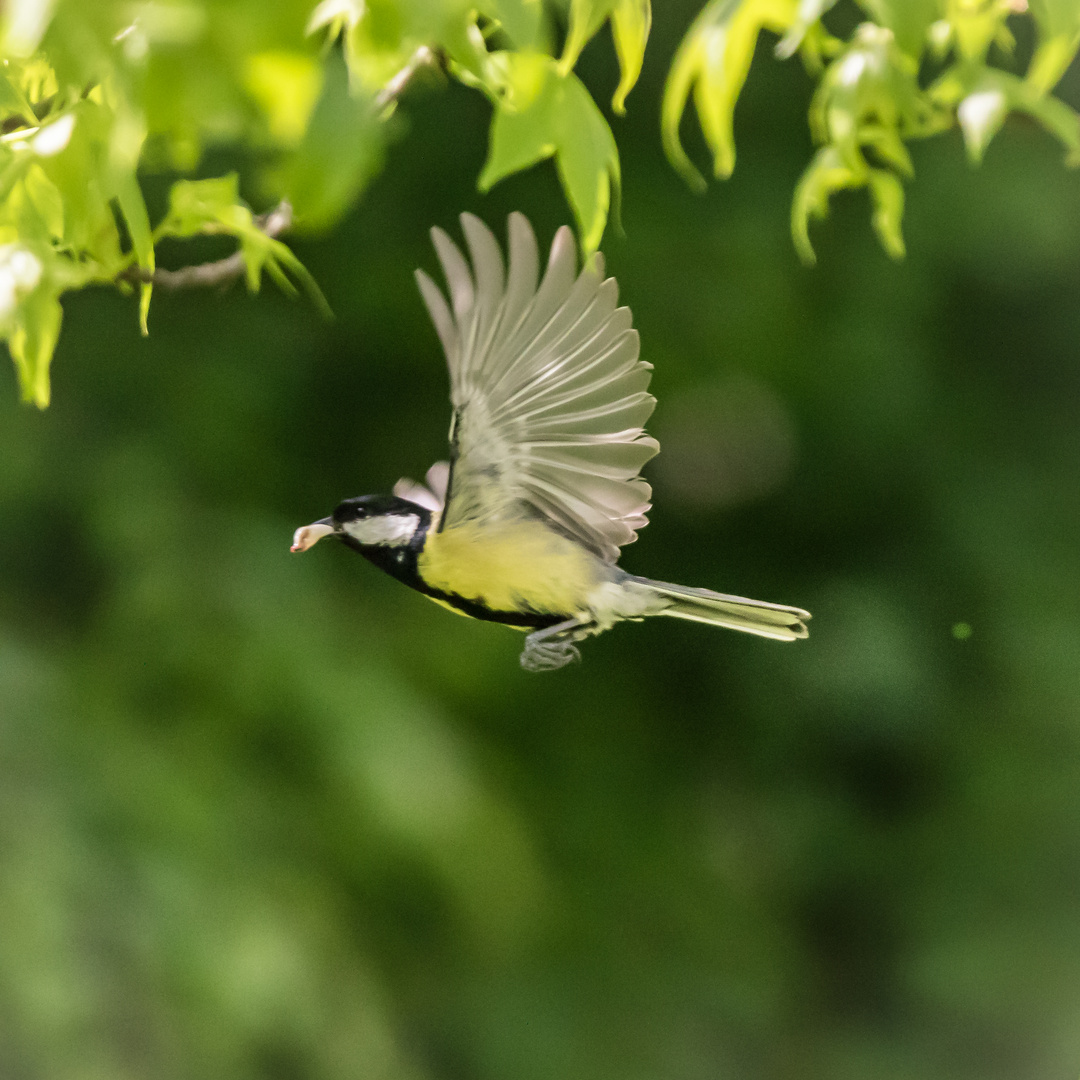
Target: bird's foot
(548,655)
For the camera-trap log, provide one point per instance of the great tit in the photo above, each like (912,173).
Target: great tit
(524,525)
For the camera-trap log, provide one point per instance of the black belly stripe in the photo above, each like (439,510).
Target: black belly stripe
(401,563)
(477,610)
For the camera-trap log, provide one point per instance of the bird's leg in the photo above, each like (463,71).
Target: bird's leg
(553,647)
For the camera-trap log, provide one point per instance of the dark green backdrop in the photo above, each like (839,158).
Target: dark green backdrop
(277,818)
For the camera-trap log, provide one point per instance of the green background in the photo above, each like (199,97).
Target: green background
(273,817)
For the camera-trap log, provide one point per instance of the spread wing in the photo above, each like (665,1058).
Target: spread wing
(431,494)
(549,395)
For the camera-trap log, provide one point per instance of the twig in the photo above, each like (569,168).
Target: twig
(220,272)
(423,57)
(273,224)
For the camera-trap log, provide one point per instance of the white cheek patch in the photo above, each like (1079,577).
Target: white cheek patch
(393,530)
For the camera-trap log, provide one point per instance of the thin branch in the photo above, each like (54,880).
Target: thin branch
(273,224)
(423,57)
(222,271)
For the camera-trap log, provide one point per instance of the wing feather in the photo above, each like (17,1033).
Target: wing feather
(432,493)
(440,314)
(550,395)
(417,493)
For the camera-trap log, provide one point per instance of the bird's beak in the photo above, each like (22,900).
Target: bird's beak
(309,535)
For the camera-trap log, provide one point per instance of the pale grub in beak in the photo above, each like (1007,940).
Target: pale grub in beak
(309,535)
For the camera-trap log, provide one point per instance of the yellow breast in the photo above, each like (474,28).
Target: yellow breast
(511,566)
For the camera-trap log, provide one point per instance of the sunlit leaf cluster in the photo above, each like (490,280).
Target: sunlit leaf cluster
(296,95)
(912,69)
(95,95)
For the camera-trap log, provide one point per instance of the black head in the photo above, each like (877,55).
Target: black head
(368,521)
(376,506)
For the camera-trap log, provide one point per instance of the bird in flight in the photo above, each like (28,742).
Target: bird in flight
(523,526)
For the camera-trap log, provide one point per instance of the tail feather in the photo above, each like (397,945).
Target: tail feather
(775,621)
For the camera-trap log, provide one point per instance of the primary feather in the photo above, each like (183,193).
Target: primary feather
(550,397)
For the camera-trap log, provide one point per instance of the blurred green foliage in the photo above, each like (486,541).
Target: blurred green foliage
(277,818)
(93,95)
(912,70)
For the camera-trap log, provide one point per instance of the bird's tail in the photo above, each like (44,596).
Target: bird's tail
(735,612)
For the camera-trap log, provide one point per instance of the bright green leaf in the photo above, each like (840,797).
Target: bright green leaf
(33,338)
(125,145)
(826,174)
(713,61)
(807,14)
(888,146)
(522,20)
(546,114)
(586,17)
(887,194)
(213,206)
(909,20)
(262,252)
(1055,116)
(977,26)
(868,102)
(88,220)
(981,115)
(1058,22)
(335,16)
(984,97)
(13,101)
(871,94)
(286,85)
(46,199)
(342,149)
(22,25)
(630,24)
(200,206)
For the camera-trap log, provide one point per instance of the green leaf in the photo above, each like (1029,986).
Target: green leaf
(630,24)
(977,26)
(341,150)
(869,100)
(807,14)
(286,85)
(981,115)
(985,96)
(125,145)
(887,194)
(335,16)
(1058,23)
(871,94)
(22,25)
(213,206)
(32,342)
(262,252)
(201,206)
(89,222)
(888,146)
(826,174)
(713,61)
(829,173)
(909,20)
(520,19)
(46,199)
(546,114)
(13,101)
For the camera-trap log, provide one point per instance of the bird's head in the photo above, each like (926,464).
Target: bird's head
(365,522)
